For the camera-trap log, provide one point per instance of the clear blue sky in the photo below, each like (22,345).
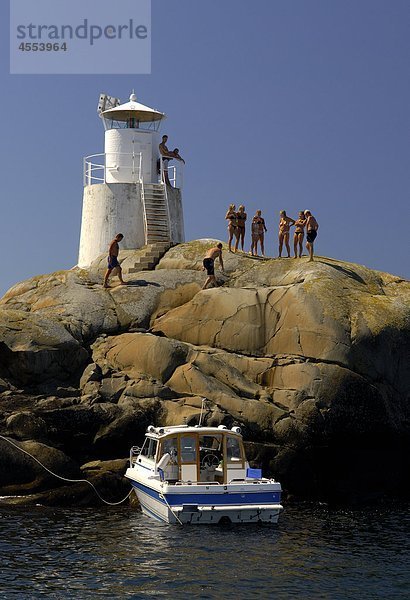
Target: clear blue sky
(275,104)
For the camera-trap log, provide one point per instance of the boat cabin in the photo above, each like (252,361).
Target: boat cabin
(193,454)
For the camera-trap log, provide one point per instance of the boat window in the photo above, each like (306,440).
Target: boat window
(233,449)
(170,446)
(210,442)
(188,449)
(149,448)
(152,449)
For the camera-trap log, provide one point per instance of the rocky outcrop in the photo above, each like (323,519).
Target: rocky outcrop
(311,359)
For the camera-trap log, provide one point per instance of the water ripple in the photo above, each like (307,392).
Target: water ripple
(118,553)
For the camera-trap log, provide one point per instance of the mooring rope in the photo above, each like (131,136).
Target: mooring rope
(166,502)
(66,478)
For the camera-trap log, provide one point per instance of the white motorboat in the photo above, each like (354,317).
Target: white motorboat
(195,474)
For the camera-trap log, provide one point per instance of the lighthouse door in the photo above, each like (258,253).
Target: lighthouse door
(142,143)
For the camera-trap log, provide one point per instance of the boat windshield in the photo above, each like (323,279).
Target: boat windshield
(233,449)
(169,446)
(149,449)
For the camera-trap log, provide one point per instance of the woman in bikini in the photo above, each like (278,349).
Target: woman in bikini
(232,223)
(240,229)
(258,233)
(284,228)
(299,234)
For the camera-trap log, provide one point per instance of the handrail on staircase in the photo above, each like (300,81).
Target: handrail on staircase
(144,210)
(168,215)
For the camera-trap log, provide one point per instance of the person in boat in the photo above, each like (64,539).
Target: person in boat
(258,233)
(113,264)
(232,223)
(311,232)
(284,229)
(240,227)
(299,234)
(209,264)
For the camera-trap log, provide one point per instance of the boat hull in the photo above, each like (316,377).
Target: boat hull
(176,504)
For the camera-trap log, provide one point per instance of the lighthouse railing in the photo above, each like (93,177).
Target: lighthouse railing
(98,166)
(175,173)
(94,172)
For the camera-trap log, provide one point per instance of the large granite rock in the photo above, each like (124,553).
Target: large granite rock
(312,359)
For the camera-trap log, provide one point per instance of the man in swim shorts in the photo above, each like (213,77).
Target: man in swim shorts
(113,264)
(311,232)
(166,156)
(209,264)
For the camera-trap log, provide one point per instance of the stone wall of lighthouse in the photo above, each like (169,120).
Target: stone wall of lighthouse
(111,208)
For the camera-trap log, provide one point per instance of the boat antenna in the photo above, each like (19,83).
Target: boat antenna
(203,407)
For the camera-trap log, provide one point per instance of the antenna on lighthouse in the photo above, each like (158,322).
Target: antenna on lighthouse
(105,102)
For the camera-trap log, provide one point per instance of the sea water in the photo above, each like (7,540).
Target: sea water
(313,552)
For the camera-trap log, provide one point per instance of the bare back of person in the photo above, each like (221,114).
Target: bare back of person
(213,253)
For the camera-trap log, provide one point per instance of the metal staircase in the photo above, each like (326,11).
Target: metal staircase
(156,213)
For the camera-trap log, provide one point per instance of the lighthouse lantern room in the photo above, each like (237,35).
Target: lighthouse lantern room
(124,187)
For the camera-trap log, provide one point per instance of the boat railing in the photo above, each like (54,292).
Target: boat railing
(243,480)
(197,483)
(134,453)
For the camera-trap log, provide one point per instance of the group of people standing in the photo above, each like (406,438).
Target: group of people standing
(237,226)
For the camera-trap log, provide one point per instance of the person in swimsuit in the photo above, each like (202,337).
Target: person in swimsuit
(166,156)
(284,228)
(299,234)
(311,232)
(231,217)
(258,233)
(240,227)
(209,264)
(175,153)
(113,263)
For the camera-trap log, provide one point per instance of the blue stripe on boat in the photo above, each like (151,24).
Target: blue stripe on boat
(222,499)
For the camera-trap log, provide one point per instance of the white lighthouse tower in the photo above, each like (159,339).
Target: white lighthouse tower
(124,188)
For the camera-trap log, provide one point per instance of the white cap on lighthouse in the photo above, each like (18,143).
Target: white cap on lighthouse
(133,110)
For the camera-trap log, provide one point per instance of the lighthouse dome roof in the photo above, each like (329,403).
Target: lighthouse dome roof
(132,109)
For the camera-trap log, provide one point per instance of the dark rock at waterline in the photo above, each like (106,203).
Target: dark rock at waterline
(106,477)
(311,359)
(21,474)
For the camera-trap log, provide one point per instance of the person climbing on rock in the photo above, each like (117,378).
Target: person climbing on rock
(113,264)
(209,264)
